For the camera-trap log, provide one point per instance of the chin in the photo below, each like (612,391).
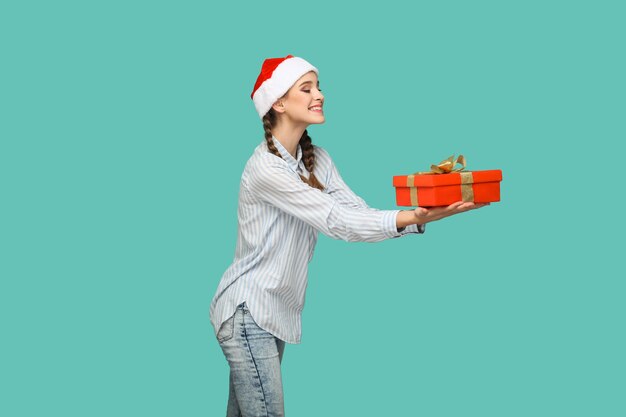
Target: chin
(318,120)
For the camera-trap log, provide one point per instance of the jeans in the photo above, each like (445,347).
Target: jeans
(254,357)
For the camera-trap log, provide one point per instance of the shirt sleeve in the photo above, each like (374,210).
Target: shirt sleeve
(275,184)
(339,190)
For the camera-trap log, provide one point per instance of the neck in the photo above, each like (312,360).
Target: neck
(288,136)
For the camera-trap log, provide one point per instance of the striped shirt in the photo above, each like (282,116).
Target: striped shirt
(279,219)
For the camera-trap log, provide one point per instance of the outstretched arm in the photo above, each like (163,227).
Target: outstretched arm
(340,191)
(277,185)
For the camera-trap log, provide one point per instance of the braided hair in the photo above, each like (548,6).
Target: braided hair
(308,151)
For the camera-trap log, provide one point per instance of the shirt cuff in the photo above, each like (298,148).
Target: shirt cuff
(413,228)
(389,224)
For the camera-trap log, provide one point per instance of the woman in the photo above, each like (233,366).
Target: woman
(290,190)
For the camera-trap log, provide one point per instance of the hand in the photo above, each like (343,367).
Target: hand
(424,215)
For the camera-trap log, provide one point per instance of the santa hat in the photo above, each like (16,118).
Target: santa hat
(276,78)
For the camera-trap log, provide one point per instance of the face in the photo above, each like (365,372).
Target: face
(303,102)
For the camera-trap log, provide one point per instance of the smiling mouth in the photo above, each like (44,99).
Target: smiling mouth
(316,108)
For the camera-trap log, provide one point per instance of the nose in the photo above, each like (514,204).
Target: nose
(319,95)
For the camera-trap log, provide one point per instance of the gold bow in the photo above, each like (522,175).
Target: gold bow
(446,166)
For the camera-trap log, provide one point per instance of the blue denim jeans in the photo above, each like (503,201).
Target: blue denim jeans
(254,357)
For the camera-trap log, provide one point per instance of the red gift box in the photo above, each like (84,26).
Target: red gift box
(444,185)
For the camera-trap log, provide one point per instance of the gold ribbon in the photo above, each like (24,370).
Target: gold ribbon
(467,192)
(447,166)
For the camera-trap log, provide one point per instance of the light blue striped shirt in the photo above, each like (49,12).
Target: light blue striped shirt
(279,218)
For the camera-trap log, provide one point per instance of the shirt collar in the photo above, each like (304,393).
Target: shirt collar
(291,161)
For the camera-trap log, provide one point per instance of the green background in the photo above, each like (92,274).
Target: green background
(125,126)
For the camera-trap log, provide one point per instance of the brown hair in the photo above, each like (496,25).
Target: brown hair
(308,153)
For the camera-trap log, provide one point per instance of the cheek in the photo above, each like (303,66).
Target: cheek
(302,99)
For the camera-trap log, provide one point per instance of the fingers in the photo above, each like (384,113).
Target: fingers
(465,206)
(475,206)
(437,213)
(455,205)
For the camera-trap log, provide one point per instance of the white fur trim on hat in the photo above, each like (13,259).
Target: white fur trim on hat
(283,78)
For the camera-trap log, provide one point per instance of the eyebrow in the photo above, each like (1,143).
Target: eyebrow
(309,82)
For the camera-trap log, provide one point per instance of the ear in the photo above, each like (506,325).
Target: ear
(279,106)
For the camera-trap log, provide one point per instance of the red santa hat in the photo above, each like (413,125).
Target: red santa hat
(277,76)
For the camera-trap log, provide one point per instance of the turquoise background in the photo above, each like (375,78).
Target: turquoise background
(124,129)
